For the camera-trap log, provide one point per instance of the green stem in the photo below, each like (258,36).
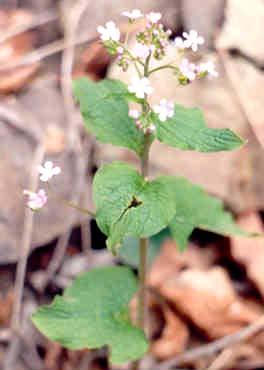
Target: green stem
(143,242)
(143,255)
(166,66)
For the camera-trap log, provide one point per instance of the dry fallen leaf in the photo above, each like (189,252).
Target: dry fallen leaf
(12,80)
(209,300)
(170,262)
(243,28)
(93,62)
(6,305)
(174,337)
(249,90)
(250,251)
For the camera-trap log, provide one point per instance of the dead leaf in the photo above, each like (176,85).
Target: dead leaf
(93,62)
(243,28)
(6,305)
(174,336)
(249,90)
(171,262)
(250,252)
(209,300)
(12,80)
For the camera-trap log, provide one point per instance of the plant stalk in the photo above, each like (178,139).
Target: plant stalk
(143,254)
(143,242)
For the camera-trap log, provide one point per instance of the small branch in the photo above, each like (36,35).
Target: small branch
(38,20)
(70,29)
(44,52)
(214,347)
(166,66)
(223,360)
(22,265)
(14,120)
(71,19)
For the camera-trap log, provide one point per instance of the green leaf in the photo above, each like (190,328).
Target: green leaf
(129,253)
(128,205)
(104,108)
(196,209)
(93,312)
(187,130)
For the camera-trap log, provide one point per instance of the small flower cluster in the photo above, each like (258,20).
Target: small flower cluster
(37,200)
(189,40)
(153,41)
(154,37)
(189,71)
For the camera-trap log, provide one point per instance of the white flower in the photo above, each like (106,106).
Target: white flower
(152,128)
(134,113)
(187,69)
(141,51)
(165,110)
(179,43)
(36,200)
(154,17)
(208,67)
(109,32)
(140,87)
(193,40)
(133,15)
(47,171)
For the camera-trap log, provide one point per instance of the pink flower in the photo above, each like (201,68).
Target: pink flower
(188,69)
(153,17)
(165,110)
(193,40)
(109,32)
(140,87)
(133,15)
(48,170)
(208,68)
(36,200)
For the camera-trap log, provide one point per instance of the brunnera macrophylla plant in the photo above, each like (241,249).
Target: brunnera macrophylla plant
(94,311)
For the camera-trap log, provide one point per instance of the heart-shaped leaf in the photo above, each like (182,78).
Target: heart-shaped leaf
(128,205)
(187,130)
(93,313)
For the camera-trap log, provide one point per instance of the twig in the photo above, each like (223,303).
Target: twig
(38,20)
(71,26)
(222,360)
(13,119)
(22,264)
(72,19)
(243,101)
(218,345)
(44,52)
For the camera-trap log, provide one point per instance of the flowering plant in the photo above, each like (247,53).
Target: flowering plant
(94,312)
